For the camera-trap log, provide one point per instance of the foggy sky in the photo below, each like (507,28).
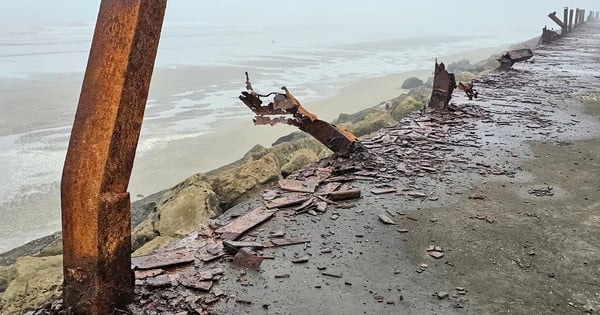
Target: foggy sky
(17,15)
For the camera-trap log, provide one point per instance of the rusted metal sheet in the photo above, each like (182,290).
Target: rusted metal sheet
(297,185)
(339,140)
(237,227)
(163,259)
(511,57)
(244,258)
(94,199)
(285,201)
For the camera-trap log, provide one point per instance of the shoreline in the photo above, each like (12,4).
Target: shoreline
(154,171)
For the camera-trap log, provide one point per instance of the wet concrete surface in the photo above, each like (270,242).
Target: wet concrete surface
(506,250)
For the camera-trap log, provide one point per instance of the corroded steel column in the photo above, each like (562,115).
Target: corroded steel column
(94,199)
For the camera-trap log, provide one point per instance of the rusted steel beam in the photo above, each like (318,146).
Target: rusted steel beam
(511,57)
(94,199)
(570,20)
(565,28)
(444,84)
(338,139)
(556,20)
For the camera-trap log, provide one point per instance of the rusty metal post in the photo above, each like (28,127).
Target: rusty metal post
(444,84)
(570,20)
(94,199)
(565,28)
(577,12)
(582,17)
(597,15)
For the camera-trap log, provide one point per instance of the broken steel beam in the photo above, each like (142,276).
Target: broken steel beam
(94,199)
(444,84)
(337,139)
(571,20)
(511,57)
(556,20)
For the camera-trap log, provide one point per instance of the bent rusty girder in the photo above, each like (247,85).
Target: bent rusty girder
(339,140)
(95,203)
(511,57)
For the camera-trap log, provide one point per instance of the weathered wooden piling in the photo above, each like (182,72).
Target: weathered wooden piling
(94,199)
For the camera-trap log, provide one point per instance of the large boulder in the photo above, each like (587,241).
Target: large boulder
(412,83)
(461,65)
(181,210)
(186,207)
(232,185)
(403,106)
(372,122)
(286,152)
(298,160)
(155,244)
(35,281)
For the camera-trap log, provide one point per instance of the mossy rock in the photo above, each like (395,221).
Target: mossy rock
(373,122)
(284,152)
(156,243)
(181,210)
(404,106)
(298,160)
(294,136)
(186,207)
(36,281)
(233,185)
(465,76)
(411,83)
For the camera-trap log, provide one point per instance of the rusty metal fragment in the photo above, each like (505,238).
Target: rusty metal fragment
(344,194)
(237,227)
(286,241)
(245,258)
(94,199)
(511,57)
(190,282)
(337,139)
(232,247)
(469,89)
(556,20)
(444,84)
